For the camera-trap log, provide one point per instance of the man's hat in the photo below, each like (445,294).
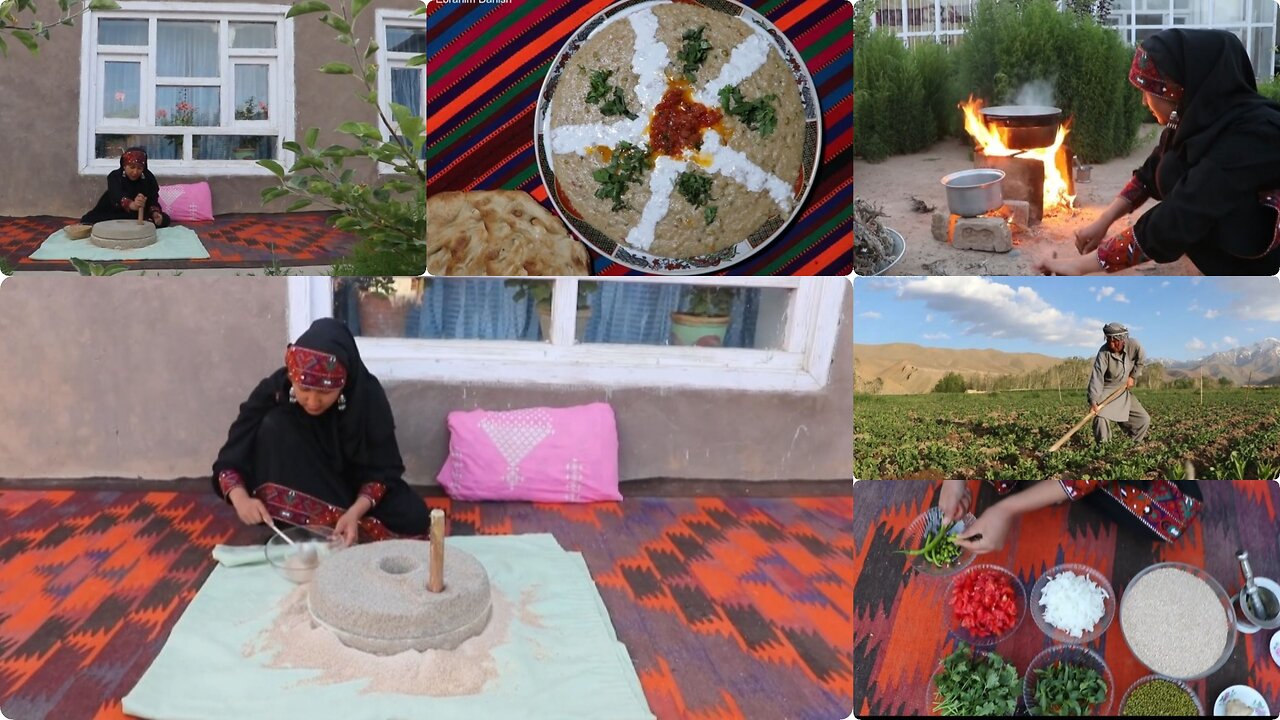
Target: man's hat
(1114,329)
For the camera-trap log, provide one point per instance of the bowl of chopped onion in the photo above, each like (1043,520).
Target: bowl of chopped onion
(1073,604)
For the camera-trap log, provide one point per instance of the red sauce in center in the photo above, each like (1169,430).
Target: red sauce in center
(678,121)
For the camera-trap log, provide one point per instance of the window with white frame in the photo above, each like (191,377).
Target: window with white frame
(772,334)
(199,85)
(401,79)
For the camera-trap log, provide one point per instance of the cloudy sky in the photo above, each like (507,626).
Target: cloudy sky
(1175,318)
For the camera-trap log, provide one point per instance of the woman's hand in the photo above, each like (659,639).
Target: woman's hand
(251,510)
(1090,236)
(993,526)
(348,526)
(954,499)
(156,218)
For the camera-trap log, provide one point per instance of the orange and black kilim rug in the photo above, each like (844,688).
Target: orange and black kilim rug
(731,607)
(900,630)
(236,240)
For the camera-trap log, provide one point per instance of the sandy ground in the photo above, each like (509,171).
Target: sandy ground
(892,183)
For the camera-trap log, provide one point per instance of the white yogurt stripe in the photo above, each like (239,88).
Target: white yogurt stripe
(745,59)
(661,182)
(650,60)
(577,138)
(735,165)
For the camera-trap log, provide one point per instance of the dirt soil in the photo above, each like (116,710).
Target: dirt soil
(892,183)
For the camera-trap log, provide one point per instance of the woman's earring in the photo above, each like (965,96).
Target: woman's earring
(342,402)
(293,396)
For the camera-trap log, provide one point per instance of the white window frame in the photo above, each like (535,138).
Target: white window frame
(388,60)
(801,365)
(280,63)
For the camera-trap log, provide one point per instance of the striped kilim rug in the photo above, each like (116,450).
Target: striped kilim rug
(485,66)
(734,607)
(899,630)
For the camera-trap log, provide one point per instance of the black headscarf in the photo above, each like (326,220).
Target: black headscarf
(1219,89)
(359,440)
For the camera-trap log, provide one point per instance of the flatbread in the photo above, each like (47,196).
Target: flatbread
(498,232)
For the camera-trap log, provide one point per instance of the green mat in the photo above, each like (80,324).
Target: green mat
(172,243)
(567,664)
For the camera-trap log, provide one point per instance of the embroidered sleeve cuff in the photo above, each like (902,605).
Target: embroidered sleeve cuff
(229,480)
(1003,487)
(1077,489)
(1135,192)
(125,202)
(1121,251)
(374,491)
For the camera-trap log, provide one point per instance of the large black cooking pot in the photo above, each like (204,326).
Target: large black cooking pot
(1024,127)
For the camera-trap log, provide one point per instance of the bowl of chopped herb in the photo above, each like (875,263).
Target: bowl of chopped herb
(972,682)
(1068,680)
(678,137)
(1156,695)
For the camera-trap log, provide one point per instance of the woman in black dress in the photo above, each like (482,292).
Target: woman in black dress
(128,189)
(315,444)
(1216,170)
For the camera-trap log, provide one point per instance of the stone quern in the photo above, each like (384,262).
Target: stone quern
(123,234)
(374,598)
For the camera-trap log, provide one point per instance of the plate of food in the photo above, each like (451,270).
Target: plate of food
(678,137)
(1241,700)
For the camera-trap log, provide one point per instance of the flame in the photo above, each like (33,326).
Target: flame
(989,141)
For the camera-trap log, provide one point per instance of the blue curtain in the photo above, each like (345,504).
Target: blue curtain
(482,309)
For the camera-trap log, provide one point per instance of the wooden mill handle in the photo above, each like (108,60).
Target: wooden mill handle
(1087,417)
(435,580)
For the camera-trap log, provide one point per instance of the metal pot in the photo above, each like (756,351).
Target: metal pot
(1024,127)
(971,193)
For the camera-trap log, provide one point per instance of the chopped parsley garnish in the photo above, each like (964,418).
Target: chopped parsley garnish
(608,97)
(696,188)
(756,114)
(625,166)
(694,52)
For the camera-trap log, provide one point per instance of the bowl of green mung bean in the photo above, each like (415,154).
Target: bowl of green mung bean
(928,542)
(1156,695)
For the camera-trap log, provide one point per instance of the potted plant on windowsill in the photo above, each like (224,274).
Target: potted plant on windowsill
(540,292)
(382,310)
(703,317)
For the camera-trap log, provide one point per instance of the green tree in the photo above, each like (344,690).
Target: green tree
(30,30)
(389,214)
(1225,382)
(950,383)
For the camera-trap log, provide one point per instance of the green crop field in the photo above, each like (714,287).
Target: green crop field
(1234,434)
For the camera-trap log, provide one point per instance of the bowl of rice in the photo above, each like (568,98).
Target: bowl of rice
(1073,604)
(1178,621)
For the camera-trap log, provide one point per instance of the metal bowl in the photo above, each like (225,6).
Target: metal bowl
(971,193)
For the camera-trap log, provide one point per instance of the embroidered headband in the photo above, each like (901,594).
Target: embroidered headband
(314,370)
(1146,77)
(134,157)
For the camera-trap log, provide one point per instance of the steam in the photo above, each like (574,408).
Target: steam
(1037,92)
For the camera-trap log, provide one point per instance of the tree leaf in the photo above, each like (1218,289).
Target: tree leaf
(309,6)
(369,51)
(416,61)
(275,167)
(337,23)
(298,205)
(275,193)
(336,68)
(291,146)
(310,138)
(358,6)
(104,5)
(26,39)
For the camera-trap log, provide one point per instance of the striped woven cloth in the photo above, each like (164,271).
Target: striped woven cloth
(485,66)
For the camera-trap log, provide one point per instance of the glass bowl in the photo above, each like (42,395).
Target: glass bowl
(1072,655)
(914,540)
(297,563)
(1219,593)
(1150,678)
(1058,636)
(931,697)
(964,634)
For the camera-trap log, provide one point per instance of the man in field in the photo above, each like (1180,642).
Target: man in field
(1118,363)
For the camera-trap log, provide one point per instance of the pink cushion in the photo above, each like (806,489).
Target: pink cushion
(537,454)
(187,203)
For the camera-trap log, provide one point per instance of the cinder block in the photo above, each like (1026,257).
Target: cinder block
(940,227)
(991,234)
(1020,212)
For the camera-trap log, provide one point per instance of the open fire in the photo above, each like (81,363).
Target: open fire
(1055,158)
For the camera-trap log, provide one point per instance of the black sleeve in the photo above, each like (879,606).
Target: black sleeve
(115,189)
(237,453)
(376,455)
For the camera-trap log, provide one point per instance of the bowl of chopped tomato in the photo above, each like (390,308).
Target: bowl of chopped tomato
(985,604)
